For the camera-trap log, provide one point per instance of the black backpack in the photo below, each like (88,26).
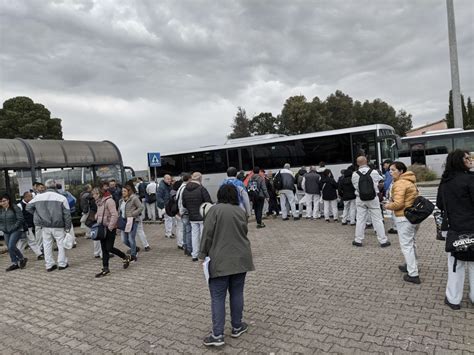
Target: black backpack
(277,182)
(171,207)
(420,210)
(366,186)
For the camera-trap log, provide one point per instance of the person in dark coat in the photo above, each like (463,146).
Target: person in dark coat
(11,224)
(329,193)
(347,194)
(162,198)
(259,195)
(194,195)
(456,199)
(225,242)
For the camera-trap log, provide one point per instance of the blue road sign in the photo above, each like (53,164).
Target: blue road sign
(154,160)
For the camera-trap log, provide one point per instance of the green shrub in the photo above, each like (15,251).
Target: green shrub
(422,173)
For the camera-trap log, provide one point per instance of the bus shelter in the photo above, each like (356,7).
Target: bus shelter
(27,161)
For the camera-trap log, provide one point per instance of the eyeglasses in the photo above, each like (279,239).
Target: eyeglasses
(468,158)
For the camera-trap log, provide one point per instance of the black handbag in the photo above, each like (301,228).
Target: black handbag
(99,230)
(461,244)
(421,210)
(121,223)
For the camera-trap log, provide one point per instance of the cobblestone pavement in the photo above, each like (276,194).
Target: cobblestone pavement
(313,292)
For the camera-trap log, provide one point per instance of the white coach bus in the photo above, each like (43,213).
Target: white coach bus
(431,149)
(337,148)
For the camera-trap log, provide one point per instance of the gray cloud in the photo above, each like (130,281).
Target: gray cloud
(169,75)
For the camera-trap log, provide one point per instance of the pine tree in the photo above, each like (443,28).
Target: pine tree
(241,125)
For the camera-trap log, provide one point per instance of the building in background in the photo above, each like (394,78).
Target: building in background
(433,126)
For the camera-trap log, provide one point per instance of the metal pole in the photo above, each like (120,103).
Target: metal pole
(453,56)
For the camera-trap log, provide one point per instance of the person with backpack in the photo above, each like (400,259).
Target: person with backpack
(329,193)
(310,185)
(365,181)
(257,190)
(150,200)
(347,194)
(299,189)
(403,194)
(194,195)
(285,183)
(244,201)
(273,207)
(141,190)
(456,199)
(162,198)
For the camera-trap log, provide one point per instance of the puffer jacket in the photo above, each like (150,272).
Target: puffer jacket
(11,219)
(194,195)
(403,193)
(106,212)
(287,180)
(328,188)
(345,188)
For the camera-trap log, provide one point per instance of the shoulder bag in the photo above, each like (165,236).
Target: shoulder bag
(99,230)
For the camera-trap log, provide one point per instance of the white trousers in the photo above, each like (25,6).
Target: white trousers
(455,286)
(31,241)
(141,235)
(143,215)
(372,209)
(97,248)
(48,235)
(349,213)
(331,207)
(301,201)
(312,205)
(287,195)
(179,231)
(196,234)
(169,222)
(406,237)
(151,211)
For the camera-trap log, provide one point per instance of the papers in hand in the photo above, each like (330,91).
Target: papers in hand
(205,267)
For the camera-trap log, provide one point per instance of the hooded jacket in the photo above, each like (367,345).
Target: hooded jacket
(194,195)
(456,198)
(345,188)
(328,188)
(403,193)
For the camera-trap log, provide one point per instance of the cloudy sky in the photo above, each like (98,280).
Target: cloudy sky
(169,75)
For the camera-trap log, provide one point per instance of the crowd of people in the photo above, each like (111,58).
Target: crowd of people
(43,217)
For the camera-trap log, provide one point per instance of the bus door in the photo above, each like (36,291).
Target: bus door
(364,144)
(418,154)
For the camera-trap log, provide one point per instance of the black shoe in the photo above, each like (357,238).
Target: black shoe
(454,307)
(239,331)
(327,220)
(356,244)
(126,261)
(412,279)
(180,247)
(147,248)
(97,256)
(12,267)
(261,225)
(63,267)
(74,245)
(386,244)
(336,221)
(392,231)
(138,249)
(186,252)
(296,218)
(195,259)
(369,226)
(211,340)
(54,267)
(23,263)
(102,273)
(133,258)
(403,268)
(344,224)
(353,224)
(40,257)
(285,219)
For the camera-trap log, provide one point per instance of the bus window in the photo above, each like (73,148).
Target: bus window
(388,149)
(331,150)
(464,143)
(215,161)
(171,164)
(418,154)
(364,144)
(246,154)
(233,155)
(439,146)
(404,151)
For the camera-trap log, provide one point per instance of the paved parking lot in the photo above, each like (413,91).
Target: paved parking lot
(312,292)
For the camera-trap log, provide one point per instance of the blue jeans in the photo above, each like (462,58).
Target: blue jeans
(129,239)
(218,287)
(187,240)
(10,240)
